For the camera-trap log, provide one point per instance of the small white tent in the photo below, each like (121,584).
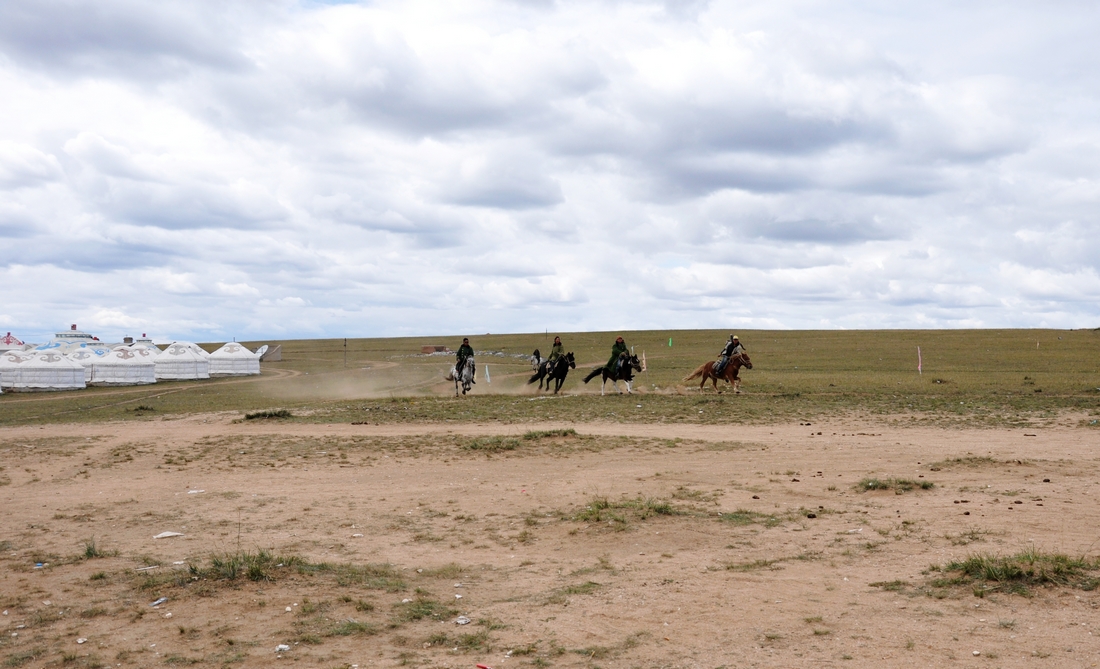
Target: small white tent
(234,360)
(180,361)
(123,366)
(46,370)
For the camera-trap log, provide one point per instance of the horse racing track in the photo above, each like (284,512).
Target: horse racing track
(799,526)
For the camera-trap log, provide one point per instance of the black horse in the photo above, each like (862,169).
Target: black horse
(624,371)
(561,369)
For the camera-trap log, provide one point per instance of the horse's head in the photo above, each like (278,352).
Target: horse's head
(635,363)
(745,361)
(572,361)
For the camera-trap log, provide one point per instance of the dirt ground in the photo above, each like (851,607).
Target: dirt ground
(616,546)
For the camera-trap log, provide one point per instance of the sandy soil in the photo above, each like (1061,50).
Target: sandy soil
(506,531)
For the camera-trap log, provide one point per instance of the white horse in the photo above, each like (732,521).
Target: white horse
(465,378)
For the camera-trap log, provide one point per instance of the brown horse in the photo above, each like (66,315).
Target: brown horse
(729,374)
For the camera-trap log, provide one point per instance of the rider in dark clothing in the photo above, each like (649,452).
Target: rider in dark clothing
(617,351)
(733,347)
(465,351)
(556,353)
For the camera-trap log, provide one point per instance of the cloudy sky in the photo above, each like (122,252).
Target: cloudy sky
(210,170)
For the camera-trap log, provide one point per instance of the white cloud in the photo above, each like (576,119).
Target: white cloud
(427,167)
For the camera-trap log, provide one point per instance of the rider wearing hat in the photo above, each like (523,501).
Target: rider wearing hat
(733,347)
(618,350)
(465,351)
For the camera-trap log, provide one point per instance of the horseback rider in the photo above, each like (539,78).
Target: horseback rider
(618,351)
(556,352)
(733,347)
(465,351)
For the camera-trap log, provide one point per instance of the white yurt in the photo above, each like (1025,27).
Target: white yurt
(40,370)
(87,357)
(180,361)
(123,366)
(234,360)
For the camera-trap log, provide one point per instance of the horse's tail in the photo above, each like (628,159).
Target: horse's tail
(594,374)
(534,378)
(697,373)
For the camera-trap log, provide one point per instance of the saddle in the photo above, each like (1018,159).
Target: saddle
(720,366)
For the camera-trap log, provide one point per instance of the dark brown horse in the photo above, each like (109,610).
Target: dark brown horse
(729,374)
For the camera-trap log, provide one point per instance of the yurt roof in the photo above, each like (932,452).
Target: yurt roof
(8,341)
(38,360)
(234,350)
(12,358)
(86,355)
(181,350)
(124,355)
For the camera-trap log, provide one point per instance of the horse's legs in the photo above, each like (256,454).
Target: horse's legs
(629,390)
(603,384)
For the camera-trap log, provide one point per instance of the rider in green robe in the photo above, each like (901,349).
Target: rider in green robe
(556,352)
(617,350)
(465,351)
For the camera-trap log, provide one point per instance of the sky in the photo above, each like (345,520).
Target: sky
(298,169)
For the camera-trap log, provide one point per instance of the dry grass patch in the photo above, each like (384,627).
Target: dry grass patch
(899,486)
(1020,573)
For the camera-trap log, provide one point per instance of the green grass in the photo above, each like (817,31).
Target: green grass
(745,517)
(897,485)
(1019,573)
(602,509)
(971,377)
(890,586)
(18,659)
(549,434)
(421,608)
(492,444)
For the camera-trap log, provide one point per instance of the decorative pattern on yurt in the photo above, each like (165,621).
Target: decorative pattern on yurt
(180,361)
(41,370)
(234,360)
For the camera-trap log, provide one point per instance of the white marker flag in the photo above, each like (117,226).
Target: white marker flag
(919,362)
(487,379)
(643,361)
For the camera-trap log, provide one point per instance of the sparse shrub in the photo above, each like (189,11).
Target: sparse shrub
(544,434)
(93,612)
(91,550)
(353,628)
(746,517)
(1018,573)
(492,444)
(890,586)
(897,485)
(421,608)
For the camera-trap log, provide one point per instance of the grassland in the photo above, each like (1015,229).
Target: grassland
(970,377)
(842,510)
